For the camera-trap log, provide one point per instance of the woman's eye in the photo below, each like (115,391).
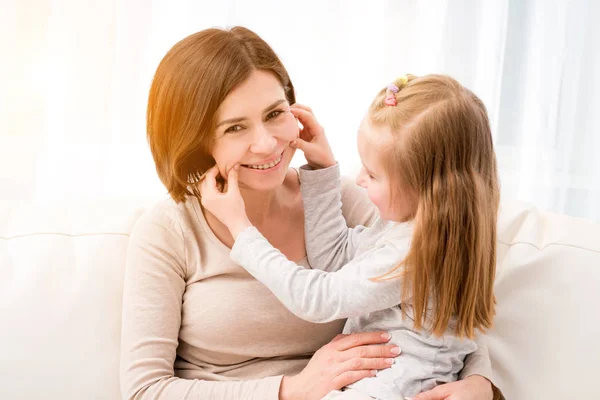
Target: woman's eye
(273,114)
(233,129)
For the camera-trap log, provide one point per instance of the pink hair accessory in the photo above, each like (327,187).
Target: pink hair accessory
(390,98)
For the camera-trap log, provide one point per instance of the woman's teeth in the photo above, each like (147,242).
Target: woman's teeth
(265,166)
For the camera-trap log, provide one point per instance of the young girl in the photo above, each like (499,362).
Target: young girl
(424,270)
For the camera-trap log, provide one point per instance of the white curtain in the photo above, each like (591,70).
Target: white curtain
(75,76)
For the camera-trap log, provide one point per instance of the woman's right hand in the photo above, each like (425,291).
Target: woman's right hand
(344,360)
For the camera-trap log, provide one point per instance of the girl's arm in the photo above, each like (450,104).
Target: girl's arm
(330,243)
(319,296)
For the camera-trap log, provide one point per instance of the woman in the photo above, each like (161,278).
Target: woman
(195,325)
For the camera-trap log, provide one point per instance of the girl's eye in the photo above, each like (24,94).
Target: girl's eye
(233,129)
(274,114)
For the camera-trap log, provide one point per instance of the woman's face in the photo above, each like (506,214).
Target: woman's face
(254,128)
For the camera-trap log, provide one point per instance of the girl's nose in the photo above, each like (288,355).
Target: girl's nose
(361,178)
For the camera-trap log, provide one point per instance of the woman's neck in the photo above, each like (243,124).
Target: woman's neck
(263,206)
(276,214)
(273,206)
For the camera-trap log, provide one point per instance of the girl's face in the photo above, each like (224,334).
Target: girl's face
(372,143)
(255,128)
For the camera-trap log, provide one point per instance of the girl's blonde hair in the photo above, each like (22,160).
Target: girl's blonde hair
(442,151)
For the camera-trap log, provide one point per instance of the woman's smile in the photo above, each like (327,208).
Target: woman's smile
(267,165)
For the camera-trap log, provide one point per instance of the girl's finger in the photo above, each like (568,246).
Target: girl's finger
(232,180)
(307,120)
(303,107)
(209,182)
(301,144)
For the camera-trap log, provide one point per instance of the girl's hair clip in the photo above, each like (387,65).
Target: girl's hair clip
(393,88)
(390,98)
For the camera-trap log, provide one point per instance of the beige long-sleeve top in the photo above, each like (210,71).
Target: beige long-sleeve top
(198,326)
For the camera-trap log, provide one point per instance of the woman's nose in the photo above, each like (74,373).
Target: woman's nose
(264,142)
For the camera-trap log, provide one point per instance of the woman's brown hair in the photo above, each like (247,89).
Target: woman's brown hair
(189,85)
(443,152)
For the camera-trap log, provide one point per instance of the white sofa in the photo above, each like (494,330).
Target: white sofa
(61,269)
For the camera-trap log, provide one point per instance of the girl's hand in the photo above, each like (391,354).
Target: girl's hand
(473,387)
(228,206)
(312,140)
(344,360)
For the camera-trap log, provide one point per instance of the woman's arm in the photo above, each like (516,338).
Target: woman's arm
(154,285)
(478,365)
(153,289)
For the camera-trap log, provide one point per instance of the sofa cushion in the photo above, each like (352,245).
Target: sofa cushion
(544,342)
(61,270)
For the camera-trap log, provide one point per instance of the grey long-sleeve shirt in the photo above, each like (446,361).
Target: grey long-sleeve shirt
(341,288)
(343,258)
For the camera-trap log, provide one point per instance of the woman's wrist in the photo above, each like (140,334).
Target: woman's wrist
(288,389)
(480,378)
(483,383)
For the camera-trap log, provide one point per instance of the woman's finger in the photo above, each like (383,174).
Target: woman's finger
(349,377)
(357,364)
(370,351)
(437,393)
(360,339)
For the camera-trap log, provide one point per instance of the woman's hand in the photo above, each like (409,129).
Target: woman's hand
(312,140)
(344,360)
(473,387)
(228,206)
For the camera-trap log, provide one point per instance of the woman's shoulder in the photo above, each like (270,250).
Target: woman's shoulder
(166,215)
(163,212)
(157,236)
